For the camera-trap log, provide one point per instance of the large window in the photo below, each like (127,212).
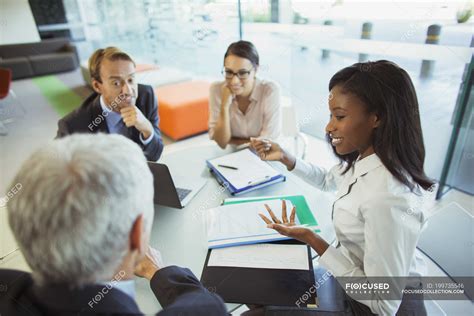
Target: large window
(187,35)
(301,45)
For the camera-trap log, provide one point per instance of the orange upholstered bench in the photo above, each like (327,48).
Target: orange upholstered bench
(183,108)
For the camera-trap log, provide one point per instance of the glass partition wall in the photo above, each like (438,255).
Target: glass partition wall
(301,45)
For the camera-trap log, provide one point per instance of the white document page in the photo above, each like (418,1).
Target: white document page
(235,224)
(264,256)
(251,170)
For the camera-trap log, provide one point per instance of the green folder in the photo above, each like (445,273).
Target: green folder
(304,214)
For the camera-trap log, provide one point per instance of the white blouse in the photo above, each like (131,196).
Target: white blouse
(262,118)
(377,221)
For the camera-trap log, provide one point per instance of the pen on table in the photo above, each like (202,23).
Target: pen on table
(228,167)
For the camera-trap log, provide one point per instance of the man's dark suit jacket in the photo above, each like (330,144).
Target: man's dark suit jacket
(88,118)
(177,289)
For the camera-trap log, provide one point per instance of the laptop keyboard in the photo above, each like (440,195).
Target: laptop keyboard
(182,193)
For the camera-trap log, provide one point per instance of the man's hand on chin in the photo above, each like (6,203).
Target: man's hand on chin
(132,116)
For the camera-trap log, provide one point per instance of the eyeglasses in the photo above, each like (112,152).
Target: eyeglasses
(241,74)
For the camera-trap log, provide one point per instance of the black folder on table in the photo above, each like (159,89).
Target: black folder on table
(261,286)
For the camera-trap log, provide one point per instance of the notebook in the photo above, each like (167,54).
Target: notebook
(243,171)
(239,224)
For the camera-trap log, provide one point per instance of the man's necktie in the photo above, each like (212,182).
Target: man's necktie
(122,129)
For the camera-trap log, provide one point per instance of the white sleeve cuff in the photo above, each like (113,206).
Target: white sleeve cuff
(148,140)
(334,261)
(302,168)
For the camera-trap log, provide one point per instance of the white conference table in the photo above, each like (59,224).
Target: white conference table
(180,234)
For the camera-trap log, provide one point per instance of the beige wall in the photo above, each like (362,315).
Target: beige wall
(17,24)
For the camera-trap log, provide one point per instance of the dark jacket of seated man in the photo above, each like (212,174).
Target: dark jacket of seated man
(90,117)
(177,289)
(85,233)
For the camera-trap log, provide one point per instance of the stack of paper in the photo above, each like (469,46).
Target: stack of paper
(240,224)
(262,256)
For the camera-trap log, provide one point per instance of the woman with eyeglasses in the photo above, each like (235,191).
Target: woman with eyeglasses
(243,106)
(383,192)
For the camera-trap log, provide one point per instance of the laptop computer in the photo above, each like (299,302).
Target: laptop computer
(166,193)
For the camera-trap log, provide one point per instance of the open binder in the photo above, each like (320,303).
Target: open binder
(270,286)
(241,172)
(283,287)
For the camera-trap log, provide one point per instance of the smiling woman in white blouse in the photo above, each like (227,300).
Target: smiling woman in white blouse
(243,106)
(381,186)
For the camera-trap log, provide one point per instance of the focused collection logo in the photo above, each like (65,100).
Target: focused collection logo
(364,288)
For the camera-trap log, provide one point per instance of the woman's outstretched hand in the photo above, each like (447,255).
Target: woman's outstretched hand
(268,150)
(287,227)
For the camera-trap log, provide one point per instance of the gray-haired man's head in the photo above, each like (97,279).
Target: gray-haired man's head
(83,198)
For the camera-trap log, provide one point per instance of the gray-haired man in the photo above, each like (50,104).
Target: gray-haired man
(82,220)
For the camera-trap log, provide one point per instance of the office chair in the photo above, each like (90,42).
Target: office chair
(290,129)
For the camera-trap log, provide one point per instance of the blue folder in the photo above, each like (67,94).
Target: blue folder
(234,191)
